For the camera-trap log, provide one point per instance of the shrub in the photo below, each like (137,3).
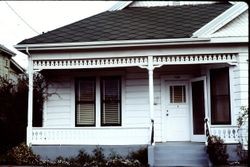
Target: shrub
(217,150)
(22,155)
(243,116)
(141,155)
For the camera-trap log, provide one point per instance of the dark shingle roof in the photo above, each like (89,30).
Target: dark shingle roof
(135,23)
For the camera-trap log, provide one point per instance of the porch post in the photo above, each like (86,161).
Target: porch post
(30,102)
(151,95)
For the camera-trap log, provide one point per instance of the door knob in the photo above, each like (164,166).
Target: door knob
(166,114)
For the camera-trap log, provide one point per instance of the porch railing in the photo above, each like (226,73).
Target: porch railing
(90,136)
(228,133)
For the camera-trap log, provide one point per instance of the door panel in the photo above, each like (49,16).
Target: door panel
(177,113)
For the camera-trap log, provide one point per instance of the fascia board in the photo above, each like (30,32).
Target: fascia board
(221,20)
(110,44)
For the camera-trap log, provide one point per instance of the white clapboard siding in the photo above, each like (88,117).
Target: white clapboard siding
(137,100)
(237,27)
(240,85)
(58,106)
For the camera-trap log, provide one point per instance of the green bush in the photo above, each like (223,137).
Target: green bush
(22,155)
(217,151)
(141,155)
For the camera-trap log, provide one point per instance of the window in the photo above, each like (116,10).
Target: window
(110,101)
(85,102)
(177,94)
(220,96)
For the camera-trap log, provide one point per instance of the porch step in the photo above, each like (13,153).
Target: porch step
(180,154)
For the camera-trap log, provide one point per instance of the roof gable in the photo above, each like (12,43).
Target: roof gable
(138,23)
(238,27)
(221,20)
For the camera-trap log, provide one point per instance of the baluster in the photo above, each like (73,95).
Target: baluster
(191,58)
(214,57)
(205,58)
(224,57)
(164,59)
(128,60)
(219,57)
(177,59)
(173,59)
(200,58)
(132,60)
(124,61)
(98,62)
(196,58)
(119,61)
(182,58)
(224,133)
(60,63)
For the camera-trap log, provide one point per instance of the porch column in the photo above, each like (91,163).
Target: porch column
(30,102)
(151,94)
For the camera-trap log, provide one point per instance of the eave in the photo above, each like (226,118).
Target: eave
(111,44)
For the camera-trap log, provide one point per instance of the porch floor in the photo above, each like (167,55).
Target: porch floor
(180,154)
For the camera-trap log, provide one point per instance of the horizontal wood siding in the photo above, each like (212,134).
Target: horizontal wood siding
(58,106)
(137,100)
(240,85)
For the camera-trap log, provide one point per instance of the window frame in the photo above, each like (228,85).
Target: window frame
(79,102)
(214,122)
(119,101)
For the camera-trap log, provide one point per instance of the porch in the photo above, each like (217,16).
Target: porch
(59,117)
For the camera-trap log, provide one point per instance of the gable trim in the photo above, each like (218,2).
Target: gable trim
(120,5)
(221,20)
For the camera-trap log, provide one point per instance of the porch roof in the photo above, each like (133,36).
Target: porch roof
(138,23)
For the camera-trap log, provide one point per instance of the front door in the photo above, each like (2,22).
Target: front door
(177,111)
(198,111)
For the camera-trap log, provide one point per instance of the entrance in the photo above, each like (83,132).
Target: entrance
(177,111)
(198,94)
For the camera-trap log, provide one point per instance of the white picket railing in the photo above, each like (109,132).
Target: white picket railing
(91,136)
(228,133)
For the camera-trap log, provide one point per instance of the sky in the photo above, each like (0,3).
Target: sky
(20,20)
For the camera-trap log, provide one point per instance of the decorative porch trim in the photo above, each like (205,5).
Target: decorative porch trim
(195,59)
(90,63)
(135,61)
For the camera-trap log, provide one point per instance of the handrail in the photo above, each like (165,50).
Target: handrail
(207,130)
(207,127)
(152,131)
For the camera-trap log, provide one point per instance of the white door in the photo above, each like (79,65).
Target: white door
(177,111)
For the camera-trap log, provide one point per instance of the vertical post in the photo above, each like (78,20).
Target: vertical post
(30,102)
(151,94)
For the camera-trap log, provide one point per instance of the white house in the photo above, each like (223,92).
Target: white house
(143,72)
